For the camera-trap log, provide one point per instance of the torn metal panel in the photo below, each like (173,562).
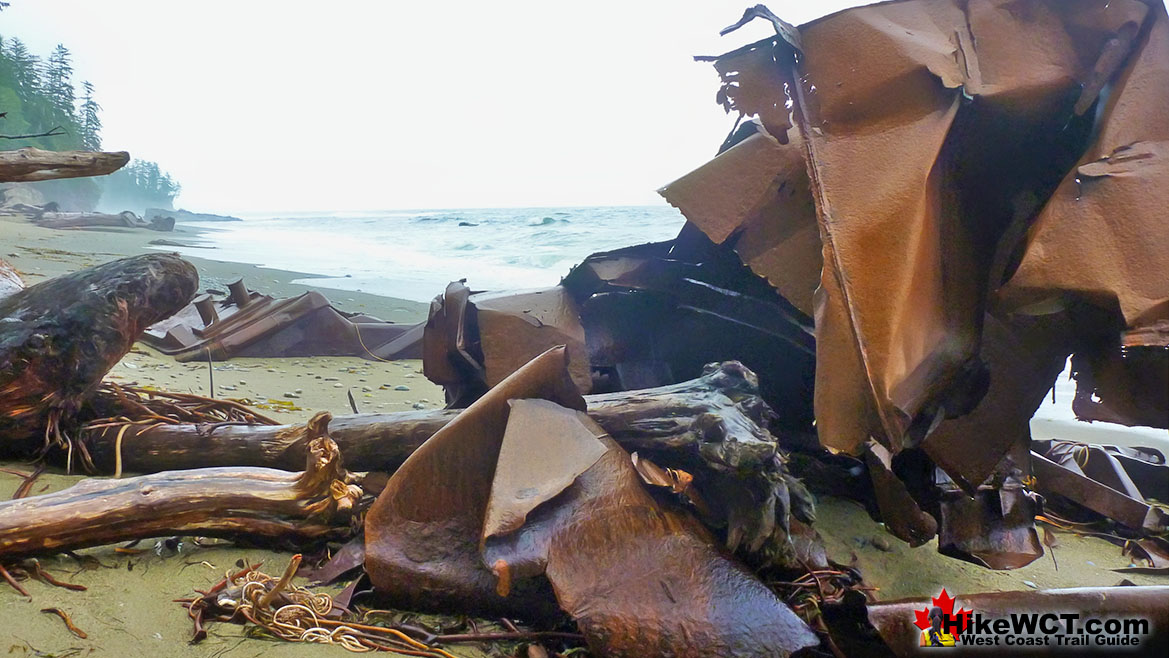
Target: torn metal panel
(422,534)
(248,324)
(899,511)
(451,356)
(1102,236)
(1068,481)
(1023,357)
(632,573)
(756,197)
(1139,473)
(1128,385)
(895,620)
(995,528)
(906,157)
(514,326)
(521,503)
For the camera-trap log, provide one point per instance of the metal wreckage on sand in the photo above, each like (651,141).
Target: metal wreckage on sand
(925,208)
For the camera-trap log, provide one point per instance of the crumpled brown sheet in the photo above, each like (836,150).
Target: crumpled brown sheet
(474,340)
(517,495)
(934,133)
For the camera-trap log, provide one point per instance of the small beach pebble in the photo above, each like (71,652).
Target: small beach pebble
(366,389)
(1030,584)
(271,370)
(401,387)
(331,379)
(419,405)
(291,395)
(881,543)
(338,385)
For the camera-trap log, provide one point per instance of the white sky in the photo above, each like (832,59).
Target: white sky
(268,105)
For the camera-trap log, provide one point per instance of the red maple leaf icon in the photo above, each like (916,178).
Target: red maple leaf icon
(946,603)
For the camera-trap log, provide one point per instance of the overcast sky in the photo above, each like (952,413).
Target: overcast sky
(272,105)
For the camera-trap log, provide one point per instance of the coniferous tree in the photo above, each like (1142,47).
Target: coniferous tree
(89,119)
(59,80)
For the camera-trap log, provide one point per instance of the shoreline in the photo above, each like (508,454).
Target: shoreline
(42,253)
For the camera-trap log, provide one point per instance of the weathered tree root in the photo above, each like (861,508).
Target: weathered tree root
(257,504)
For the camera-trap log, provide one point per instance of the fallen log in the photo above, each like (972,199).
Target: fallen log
(124,219)
(713,428)
(718,416)
(59,338)
(236,503)
(28,165)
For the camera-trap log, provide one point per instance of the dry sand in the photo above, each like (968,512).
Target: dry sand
(128,608)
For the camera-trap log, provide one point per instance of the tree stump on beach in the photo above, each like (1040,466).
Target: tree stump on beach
(60,337)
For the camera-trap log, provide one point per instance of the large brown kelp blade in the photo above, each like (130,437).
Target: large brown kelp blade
(519,504)
(59,338)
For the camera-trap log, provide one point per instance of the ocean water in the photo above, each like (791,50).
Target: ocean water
(414,254)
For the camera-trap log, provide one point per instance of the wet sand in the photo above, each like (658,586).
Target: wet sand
(128,609)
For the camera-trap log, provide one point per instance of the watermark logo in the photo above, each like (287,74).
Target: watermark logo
(942,627)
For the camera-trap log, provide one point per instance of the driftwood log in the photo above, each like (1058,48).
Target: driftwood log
(60,337)
(713,428)
(248,503)
(29,165)
(718,418)
(124,219)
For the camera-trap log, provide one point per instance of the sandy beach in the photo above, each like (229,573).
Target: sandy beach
(127,609)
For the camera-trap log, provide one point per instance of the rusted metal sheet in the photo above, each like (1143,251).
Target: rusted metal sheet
(1104,464)
(632,318)
(522,504)
(514,325)
(899,511)
(1126,385)
(248,324)
(934,133)
(1068,481)
(895,620)
(1023,357)
(995,528)
(1102,235)
(423,532)
(755,197)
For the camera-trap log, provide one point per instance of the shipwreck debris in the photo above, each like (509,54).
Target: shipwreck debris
(463,525)
(247,323)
